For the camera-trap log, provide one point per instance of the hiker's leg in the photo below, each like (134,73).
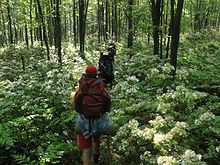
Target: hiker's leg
(96,150)
(85,145)
(86,156)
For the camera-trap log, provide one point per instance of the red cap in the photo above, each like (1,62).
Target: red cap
(91,69)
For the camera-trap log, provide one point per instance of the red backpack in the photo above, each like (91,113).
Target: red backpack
(92,99)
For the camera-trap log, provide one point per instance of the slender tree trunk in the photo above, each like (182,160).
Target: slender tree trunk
(161,30)
(26,35)
(130,24)
(172,3)
(106,20)
(9,23)
(176,34)
(119,24)
(50,23)
(83,7)
(155,11)
(16,34)
(4,30)
(31,31)
(74,23)
(115,20)
(99,21)
(57,31)
(81,27)
(44,29)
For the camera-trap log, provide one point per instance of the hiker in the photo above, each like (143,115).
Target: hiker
(91,101)
(106,67)
(112,51)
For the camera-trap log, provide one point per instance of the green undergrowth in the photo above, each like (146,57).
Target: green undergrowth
(161,121)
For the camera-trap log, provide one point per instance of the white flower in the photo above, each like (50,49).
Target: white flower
(179,129)
(217,149)
(190,157)
(158,122)
(204,118)
(166,160)
(159,138)
(167,68)
(132,78)
(148,133)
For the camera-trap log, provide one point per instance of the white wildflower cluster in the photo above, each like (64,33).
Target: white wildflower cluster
(126,89)
(190,157)
(217,149)
(132,78)
(126,129)
(159,138)
(126,132)
(182,96)
(166,160)
(167,68)
(182,74)
(181,89)
(146,133)
(154,72)
(132,90)
(178,131)
(123,145)
(158,122)
(205,118)
(164,107)
(132,124)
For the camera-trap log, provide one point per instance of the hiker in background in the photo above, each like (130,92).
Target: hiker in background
(91,101)
(106,61)
(112,50)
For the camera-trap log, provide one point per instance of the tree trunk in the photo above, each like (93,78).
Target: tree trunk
(99,21)
(9,23)
(130,24)
(161,30)
(83,7)
(26,35)
(155,11)
(106,19)
(74,23)
(176,34)
(81,27)
(31,29)
(44,29)
(57,31)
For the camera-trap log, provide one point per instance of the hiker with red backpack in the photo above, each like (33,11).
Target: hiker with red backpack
(92,102)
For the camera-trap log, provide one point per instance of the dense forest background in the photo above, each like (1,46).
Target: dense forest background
(166,93)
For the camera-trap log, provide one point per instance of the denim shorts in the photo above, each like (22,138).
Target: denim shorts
(93,127)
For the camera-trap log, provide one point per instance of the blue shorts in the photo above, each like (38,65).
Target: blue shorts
(93,127)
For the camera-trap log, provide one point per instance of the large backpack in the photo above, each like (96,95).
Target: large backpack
(106,68)
(92,99)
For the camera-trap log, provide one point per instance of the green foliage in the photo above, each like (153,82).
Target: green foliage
(161,121)
(35,110)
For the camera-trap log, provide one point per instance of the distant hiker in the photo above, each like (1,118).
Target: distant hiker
(112,51)
(91,101)
(106,61)
(106,67)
